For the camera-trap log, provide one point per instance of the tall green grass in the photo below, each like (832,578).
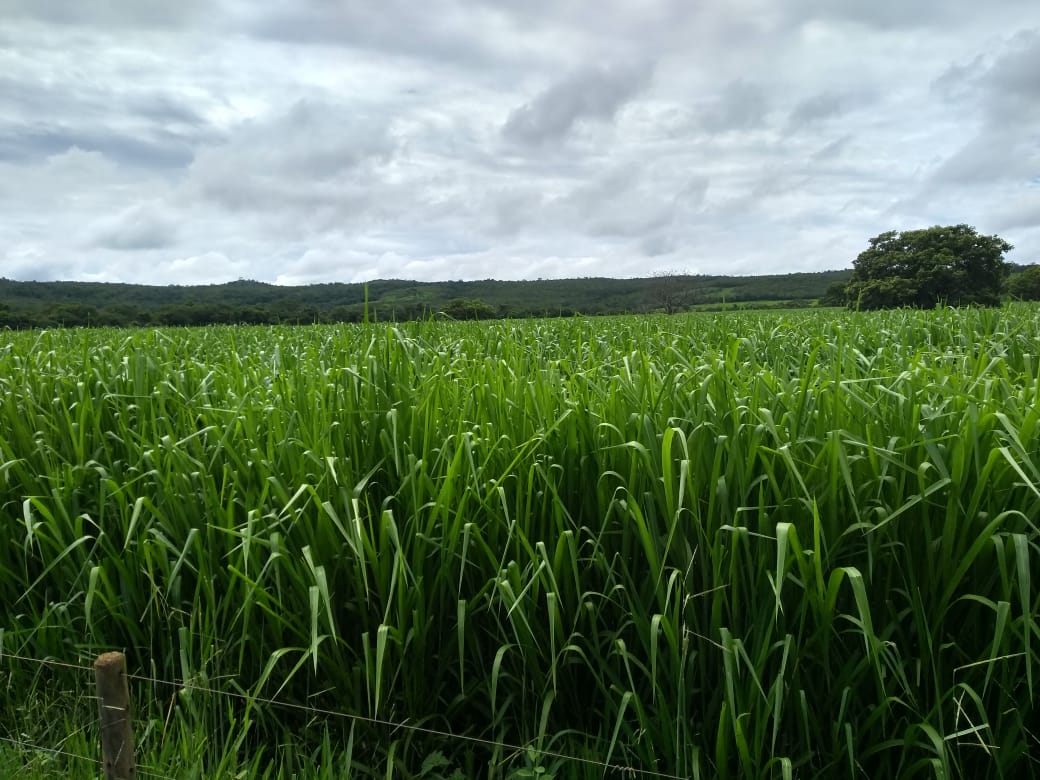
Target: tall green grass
(750,545)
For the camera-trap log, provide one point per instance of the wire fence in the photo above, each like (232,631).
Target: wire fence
(25,746)
(447,736)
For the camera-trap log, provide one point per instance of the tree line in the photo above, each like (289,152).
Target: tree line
(51,304)
(941,265)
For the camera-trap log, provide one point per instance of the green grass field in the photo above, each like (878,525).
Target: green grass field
(740,545)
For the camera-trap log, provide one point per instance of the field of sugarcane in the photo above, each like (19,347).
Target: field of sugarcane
(749,545)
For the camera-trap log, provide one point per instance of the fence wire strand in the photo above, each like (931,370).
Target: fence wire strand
(21,744)
(629,771)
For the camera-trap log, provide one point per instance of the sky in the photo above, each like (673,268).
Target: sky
(305,141)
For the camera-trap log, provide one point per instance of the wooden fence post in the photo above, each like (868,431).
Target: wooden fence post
(117,736)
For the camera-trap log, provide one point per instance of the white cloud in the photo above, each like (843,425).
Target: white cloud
(309,141)
(184,270)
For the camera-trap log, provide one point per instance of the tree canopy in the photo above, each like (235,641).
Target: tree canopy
(1026,285)
(952,265)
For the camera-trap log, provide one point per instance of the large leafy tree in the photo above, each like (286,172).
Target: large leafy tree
(951,265)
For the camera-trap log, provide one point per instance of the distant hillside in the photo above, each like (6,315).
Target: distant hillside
(31,304)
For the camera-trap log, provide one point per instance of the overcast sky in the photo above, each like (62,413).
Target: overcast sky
(299,141)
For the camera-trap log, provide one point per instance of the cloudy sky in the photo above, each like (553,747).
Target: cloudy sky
(298,141)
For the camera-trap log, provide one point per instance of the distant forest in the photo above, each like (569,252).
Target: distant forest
(50,304)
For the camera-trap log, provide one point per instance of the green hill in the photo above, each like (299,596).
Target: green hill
(34,304)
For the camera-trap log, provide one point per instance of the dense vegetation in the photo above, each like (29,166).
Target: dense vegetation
(938,266)
(1026,284)
(48,304)
(741,545)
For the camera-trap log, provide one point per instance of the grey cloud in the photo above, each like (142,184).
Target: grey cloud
(658,244)
(514,209)
(1002,96)
(316,155)
(166,109)
(995,154)
(492,35)
(833,149)
(960,80)
(316,139)
(693,194)
(56,175)
(142,226)
(589,94)
(1015,79)
(1021,214)
(108,13)
(89,100)
(317,22)
(85,100)
(26,144)
(445,31)
(37,266)
(1005,84)
(820,107)
(629,217)
(138,127)
(741,106)
(633,202)
(878,13)
(897,14)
